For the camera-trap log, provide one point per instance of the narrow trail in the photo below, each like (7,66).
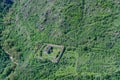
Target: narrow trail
(11,58)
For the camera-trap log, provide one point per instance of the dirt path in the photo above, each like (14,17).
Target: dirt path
(11,58)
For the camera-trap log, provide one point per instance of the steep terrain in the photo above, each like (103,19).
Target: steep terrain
(89,30)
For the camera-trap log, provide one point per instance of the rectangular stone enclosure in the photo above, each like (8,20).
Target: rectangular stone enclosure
(50,52)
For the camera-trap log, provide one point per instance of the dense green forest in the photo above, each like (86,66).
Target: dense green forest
(88,29)
(6,67)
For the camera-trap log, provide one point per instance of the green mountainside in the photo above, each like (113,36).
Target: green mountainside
(88,29)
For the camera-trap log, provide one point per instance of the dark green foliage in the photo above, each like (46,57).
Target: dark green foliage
(4,57)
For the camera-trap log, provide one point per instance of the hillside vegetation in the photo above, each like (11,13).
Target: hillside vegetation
(89,30)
